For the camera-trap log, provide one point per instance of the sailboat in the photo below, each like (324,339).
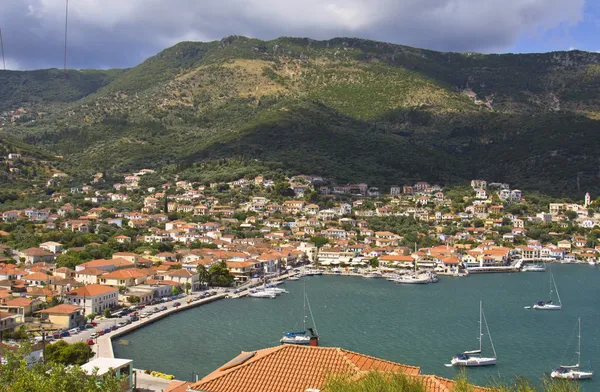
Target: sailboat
(550,305)
(573,372)
(474,357)
(306,336)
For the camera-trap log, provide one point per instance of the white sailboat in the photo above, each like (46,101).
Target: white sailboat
(549,305)
(573,372)
(307,335)
(474,358)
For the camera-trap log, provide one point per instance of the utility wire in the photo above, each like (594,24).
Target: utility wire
(2,47)
(66,30)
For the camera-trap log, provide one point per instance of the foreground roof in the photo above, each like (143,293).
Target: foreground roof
(291,368)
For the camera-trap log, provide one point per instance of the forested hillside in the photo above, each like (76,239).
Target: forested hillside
(348,109)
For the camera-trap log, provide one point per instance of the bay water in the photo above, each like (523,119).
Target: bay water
(422,325)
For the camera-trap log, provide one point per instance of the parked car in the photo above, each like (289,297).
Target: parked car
(94,324)
(65,334)
(100,332)
(74,331)
(89,326)
(144,315)
(90,342)
(107,330)
(163,308)
(56,335)
(94,335)
(176,304)
(114,327)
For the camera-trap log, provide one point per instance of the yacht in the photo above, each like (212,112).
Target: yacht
(573,372)
(373,275)
(534,268)
(474,358)
(261,294)
(308,335)
(418,278)
(311,272)
(549,305)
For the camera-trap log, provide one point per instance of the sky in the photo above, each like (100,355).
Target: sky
(122,33)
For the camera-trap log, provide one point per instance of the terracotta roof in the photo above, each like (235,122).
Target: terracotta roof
(61,309)
(269,370)
(92,290)
(18,302)
(434,383)
(91,271)
(37,276)
(37,252)
(125,274)
(177,386)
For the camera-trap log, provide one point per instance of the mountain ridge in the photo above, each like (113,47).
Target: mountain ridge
(395,113)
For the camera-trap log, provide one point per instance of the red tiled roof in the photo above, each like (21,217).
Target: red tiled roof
(61,309)
(270,370)
(92,290)
(18,302)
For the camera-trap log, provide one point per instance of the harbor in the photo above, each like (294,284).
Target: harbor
(528,343)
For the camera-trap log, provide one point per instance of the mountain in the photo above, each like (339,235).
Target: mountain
(347,109)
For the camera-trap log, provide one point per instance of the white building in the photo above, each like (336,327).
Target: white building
(94,298)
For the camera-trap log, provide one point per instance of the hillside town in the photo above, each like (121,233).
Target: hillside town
(88,249)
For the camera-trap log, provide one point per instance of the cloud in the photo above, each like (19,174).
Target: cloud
(117,33)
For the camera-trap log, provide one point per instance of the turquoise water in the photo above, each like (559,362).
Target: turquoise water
(421,325)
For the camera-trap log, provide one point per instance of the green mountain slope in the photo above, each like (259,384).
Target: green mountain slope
(348,109)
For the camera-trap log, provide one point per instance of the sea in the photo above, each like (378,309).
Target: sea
(421,325)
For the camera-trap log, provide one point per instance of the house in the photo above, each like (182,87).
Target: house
(8,322)
(93,298)
(52,246)
(37,279)
(20,307)
(124,277)
(121,368)
(89,275)
(106,265)
(33,255)
(122,239)
(564,244)
(63,316)
(183,277)
(268,370)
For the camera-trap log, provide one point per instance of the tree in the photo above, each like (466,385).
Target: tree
(188,287)
(203,273)
(176,290)
(106,313)
(68,354)
(374,262)
(219,275)
(319,241)
(17,375)
(571,215)
(91,316)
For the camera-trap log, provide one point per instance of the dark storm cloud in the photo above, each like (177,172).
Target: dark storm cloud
(121,33)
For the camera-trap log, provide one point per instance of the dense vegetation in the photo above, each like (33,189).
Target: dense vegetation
(399,382)
(348,109)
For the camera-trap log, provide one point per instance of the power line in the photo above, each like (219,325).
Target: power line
(2,47)
(66,30)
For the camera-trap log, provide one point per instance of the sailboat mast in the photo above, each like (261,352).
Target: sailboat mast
(480,326)
(579,344)
(556,289)
(304,316)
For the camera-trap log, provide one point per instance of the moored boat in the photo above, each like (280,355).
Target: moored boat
(473,358)
(534,268)
(261,294)
(573,372)
(308,335)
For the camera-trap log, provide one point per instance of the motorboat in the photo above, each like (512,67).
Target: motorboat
(534,268)
(418,278)
(261,294)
